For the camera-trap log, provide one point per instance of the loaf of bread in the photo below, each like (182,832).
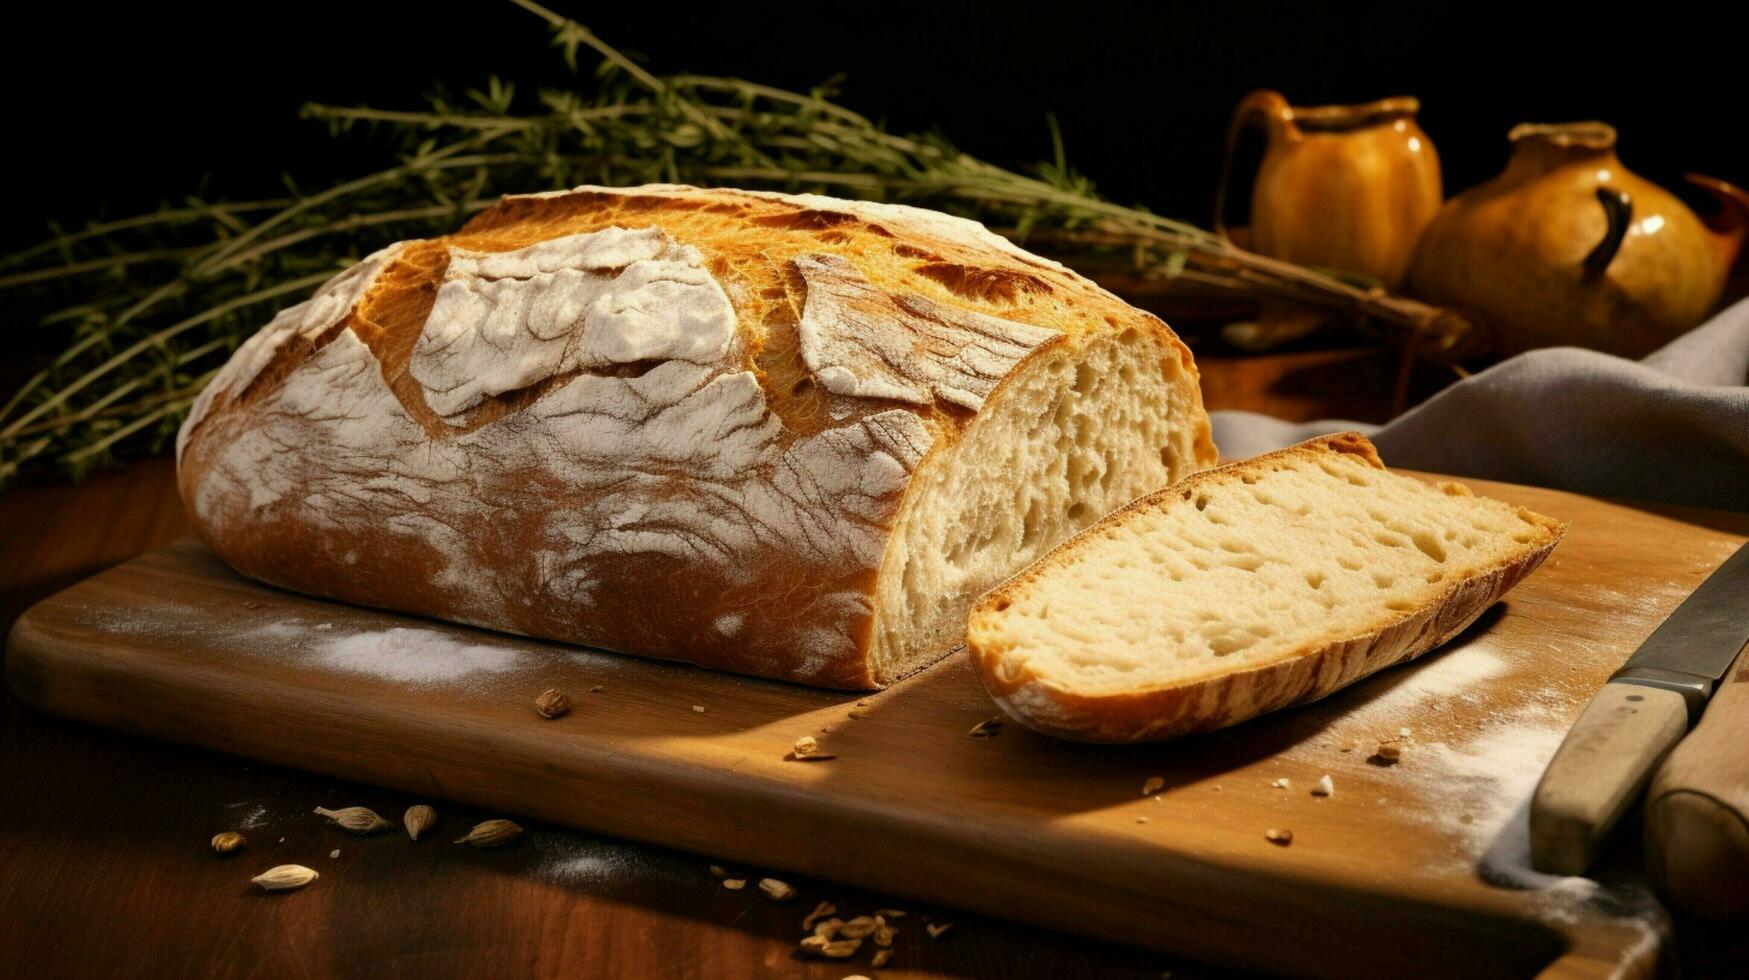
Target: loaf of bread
(1246,588)
(790,436)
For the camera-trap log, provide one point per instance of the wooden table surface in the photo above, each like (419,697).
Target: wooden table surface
(103,837)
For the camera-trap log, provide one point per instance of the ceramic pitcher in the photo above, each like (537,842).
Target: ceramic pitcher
(1344,186)
(1567,246)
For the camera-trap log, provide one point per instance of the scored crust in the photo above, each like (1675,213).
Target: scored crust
(660,420)
(1216,697)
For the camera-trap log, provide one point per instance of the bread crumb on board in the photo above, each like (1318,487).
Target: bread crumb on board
(1152,785)
(1282,783)
(807,749)
(1278,836)
(1326,786)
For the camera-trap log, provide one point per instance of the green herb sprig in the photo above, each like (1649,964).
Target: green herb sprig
(163,298)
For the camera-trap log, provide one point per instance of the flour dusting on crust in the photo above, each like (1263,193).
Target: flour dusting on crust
(506,320)
(685,458)
(309,319)
(860,341)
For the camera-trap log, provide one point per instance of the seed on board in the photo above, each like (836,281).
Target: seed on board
(552,703)
(334,853)
(827,928)
(883,933)
(813,944)
(734,884)
(821,911)
(597,689)
(988,728)
(357,819)
(491,833)
(890,913)
(936,931)
(284,878)
(227,842)
(842,949)
(419,818)
(1326,786)
(718,872)
(1154,784)
(1280,838)
(881,957)
(777,891)
(860,927)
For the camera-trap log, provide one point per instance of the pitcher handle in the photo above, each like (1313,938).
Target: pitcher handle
(1730,224)
(1266,106)
(1618,209)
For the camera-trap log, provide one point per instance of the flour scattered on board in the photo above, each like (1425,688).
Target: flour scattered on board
(573,859)
(1473,781)
(1459,675)
(246,816)
(412,656)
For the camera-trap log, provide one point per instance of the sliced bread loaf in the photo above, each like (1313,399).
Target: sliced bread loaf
(1246,588)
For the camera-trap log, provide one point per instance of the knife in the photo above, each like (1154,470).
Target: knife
(1644,709)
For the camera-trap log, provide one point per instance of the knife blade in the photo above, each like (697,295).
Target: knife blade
(1643,710)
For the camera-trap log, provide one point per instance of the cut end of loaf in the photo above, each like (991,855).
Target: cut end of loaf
(1072,434)
(1246,588)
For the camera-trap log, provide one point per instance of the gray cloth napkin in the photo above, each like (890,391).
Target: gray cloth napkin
(1672,428)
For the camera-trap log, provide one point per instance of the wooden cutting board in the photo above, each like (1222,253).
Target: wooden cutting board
(1419,867)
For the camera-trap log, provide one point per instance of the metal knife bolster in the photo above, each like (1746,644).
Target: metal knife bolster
(1696,690)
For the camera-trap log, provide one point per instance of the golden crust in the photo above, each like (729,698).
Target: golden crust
(652,604)
(1219,698)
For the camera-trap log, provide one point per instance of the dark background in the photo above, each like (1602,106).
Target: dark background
(109,109)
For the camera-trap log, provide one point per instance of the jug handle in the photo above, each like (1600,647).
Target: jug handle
(1731,224)
(1265,106)
(1618,209)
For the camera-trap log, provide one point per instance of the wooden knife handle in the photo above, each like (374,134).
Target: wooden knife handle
(1697,810)
(1599,770)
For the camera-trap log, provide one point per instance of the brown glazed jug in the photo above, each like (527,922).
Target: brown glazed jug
(1343,187)
(1567,246)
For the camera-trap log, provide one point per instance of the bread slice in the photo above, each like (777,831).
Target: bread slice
(1246,588)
